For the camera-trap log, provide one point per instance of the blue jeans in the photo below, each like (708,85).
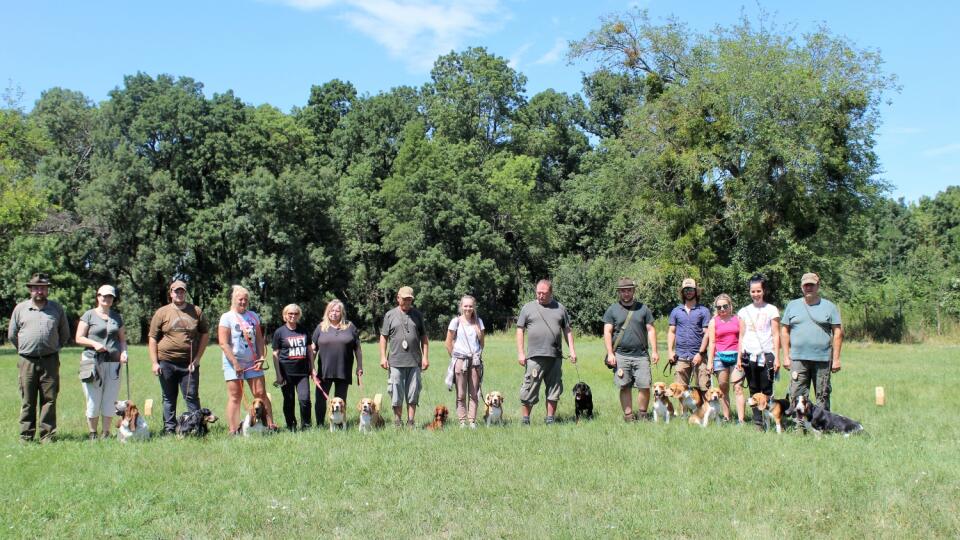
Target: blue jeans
(175,378)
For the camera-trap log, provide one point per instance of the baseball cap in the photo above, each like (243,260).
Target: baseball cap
(626,283)
(107,290)
(689,282)
(178,284)
(405,292)
(809,277)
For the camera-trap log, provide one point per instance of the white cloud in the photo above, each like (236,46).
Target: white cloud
(944,150)
(551,56)
(416,31)
(517,56)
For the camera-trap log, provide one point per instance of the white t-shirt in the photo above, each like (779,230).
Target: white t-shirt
(758,336)
(466,341)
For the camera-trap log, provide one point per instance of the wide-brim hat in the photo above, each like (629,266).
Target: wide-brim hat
(626,283)
(39,280)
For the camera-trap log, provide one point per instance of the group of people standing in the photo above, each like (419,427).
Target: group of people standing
(743,349)
(746,348)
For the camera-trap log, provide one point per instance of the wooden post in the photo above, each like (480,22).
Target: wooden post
(881,397)
(148,407)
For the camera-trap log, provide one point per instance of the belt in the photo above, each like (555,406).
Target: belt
(38,356)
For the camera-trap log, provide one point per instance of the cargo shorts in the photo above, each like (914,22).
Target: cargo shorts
(632,370)
(683,373)
(404,385)
(541,369)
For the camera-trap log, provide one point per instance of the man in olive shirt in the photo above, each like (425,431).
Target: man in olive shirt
(179,333)
(38,329)
(406,335)
(632,350)
(542,322)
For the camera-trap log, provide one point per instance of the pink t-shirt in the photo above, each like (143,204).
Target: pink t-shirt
(728,333)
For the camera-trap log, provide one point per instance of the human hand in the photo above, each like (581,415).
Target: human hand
(521,359)
(100,347)
(696,359)
(384,364)
(655,357)
(156,369)
(424,365)
(123,357)
(776,364)
(836,366)
(786,361)
(359,373)
(611,360)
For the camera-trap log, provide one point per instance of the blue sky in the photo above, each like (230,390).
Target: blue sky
(272,51)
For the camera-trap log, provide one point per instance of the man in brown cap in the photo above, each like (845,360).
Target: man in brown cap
(811,335)
(38,329)
(405,335)
(629,353)
(178,335)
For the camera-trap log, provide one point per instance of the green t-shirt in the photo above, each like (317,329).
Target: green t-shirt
(545,326)
(811,339)
(634,340)
(399,327)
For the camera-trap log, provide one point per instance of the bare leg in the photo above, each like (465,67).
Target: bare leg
(107,420)
(741,401)
(551,408)
(723,383)
(626,401)
(643,400)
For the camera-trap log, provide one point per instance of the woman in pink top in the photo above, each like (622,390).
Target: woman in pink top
(724,348)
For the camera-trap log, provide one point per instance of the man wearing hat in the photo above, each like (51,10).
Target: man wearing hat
(633,348)
(687,338)
(38,329)
(811,336)
(404,333)
(178,335)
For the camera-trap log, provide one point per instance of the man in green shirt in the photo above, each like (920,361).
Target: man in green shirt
(631,342)
(405,334)
(811,337)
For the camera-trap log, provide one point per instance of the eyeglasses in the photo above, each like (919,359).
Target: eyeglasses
(723,306)
(297,313)
(688,289)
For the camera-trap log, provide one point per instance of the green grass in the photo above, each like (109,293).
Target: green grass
(601,478)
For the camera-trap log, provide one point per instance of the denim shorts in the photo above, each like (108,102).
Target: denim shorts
(230,375)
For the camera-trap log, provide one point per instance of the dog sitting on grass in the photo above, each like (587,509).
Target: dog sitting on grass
(582,401)
(130,423)
(255,423)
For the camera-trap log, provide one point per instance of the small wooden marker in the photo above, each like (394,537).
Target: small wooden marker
(881,397)
(148,407)
(269,398)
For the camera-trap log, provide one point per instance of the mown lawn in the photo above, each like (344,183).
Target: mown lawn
(602,478)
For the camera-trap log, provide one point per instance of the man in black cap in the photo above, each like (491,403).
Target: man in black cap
(38,329)
(631,342)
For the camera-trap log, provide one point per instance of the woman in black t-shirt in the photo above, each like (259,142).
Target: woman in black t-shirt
(336,342)
(293,359)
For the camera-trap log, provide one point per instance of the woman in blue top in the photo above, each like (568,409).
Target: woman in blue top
(241,338)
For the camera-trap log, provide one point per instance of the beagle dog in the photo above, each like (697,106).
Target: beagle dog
(774,410)
(130,423)
(662,408)
(709,410)
(370,417)
(440,414)
(690,399)
(337,410)
(255,423)
(494,408)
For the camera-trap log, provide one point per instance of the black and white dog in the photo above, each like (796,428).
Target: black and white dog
(819,420)
(582,401)
(195,423)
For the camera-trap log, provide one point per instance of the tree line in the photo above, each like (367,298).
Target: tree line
(712,155)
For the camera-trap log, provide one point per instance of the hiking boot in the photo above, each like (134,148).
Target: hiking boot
(92,436)
(411,424)
(397,423)
(525,421)
(549,420)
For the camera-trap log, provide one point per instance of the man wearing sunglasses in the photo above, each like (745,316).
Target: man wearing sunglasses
(687,338)
(811,335)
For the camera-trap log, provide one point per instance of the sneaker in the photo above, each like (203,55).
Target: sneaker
(105,435)
(525,421)
(473,425)
(92,436)
(411,424)
(397,423)
(463,423)
(549,420)
(628,418)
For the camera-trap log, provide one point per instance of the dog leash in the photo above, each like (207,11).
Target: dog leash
(319,384)
(127,368)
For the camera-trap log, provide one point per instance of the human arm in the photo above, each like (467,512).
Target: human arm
(611,359)
(154,355)
(573,352)
(785,343)
(14,328)
(425,351)
(837,344)
(652,343)
(276,357)
(448,343)
(64,330)
(710,336)
(521,359)
(743,332)
(383,352)
(82,339)
(201,347)
(223,338)
(261,352)
(358,354)
(775,331)
(122,338)
(671,342)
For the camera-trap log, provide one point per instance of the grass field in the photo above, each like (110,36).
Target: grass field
(601,478)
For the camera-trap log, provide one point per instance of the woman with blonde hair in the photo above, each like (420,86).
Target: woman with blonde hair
(723,352)
(240,335)
(336,342)
(465,344)
(293,359)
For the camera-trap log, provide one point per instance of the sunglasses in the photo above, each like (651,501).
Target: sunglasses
(688,289)
(723,306)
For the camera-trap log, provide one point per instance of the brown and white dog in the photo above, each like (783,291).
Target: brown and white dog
(255,423)
(337,413)
(662,408)
(370,417)
(709,410)
(130,425)
(690,399)
(494,408)
(774,410)
(440,414)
